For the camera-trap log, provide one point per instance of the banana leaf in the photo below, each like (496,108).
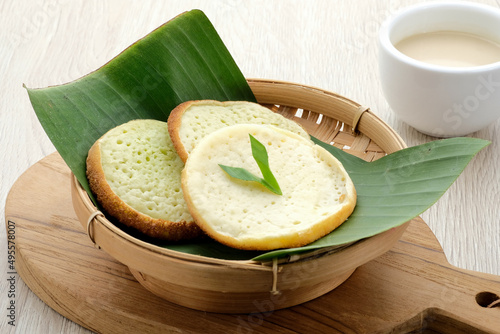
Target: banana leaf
(395,188)
(182,60)
(185,59)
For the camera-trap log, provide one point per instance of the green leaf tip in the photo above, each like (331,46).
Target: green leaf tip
(259,153)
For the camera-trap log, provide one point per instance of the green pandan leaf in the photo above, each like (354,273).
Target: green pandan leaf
(186,60)
(182,60)
(259,153)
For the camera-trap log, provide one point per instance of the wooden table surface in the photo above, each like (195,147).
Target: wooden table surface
(330,44)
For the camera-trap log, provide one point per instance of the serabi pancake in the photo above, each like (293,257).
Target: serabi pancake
(318,194)
(135,173)
(191,121)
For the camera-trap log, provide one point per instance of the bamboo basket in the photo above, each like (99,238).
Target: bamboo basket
(229,286)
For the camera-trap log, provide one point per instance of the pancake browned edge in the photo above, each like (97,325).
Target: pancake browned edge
(217,114)
(125,214)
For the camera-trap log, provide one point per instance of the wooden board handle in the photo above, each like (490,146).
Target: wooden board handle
(451,300)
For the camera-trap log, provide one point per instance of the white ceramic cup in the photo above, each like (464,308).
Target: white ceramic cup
(438,100)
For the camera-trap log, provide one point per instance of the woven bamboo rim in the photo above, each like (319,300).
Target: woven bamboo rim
(348,125)
(328,116)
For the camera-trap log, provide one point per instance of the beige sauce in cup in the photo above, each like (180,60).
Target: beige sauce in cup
(450,48)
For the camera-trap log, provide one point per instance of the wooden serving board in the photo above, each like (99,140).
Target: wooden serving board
(410,289)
